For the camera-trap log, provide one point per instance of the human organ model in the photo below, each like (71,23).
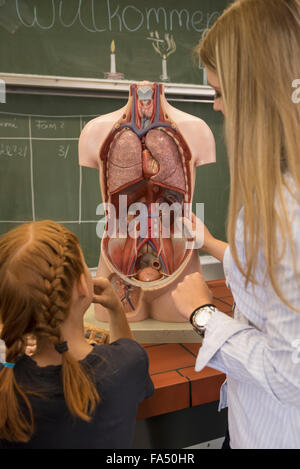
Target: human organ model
(146,154)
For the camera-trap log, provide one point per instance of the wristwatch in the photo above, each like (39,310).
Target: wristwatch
(200,317)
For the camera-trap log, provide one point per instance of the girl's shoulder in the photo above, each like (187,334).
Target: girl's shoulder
(123,351)
(121,364)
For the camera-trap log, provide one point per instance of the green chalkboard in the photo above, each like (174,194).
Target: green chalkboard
(105,39)
(40,177)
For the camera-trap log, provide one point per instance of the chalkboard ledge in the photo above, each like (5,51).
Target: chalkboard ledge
(47,82)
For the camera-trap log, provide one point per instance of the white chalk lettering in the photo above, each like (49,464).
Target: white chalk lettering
(197,19)
(179,17)
(60,14)
(156,13)
(107,15)
(12,150)
(132,30)
(63,151)
(35,21)
(111,16)
(42,124)
(9,124)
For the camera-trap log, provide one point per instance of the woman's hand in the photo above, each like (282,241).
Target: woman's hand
(204,240)
(208,239)
(196,230)
(105,295)
(192,293)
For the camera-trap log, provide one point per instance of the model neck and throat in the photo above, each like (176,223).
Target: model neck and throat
(145,108)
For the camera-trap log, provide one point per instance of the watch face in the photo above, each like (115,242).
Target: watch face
(202,318)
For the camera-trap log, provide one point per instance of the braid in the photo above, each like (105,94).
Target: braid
(54,303)
(14,350)
(39,264)
(11,393)
(81,394)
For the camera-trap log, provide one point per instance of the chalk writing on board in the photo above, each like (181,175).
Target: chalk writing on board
(12,150)
(9,124)
(63,151)
(43,124)
(15,148)
(107,15)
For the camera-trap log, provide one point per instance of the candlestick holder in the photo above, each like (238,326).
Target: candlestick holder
(164,47)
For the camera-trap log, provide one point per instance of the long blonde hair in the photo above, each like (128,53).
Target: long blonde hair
(39,263)
(254,48)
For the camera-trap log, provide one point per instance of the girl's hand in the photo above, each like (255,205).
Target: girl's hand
(105,295)
(30,347)
(192,293)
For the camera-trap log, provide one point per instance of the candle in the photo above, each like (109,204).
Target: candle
(164,69)
(205,80)
(2,92)
(112,57)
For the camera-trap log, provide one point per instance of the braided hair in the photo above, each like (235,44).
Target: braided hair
(39,264)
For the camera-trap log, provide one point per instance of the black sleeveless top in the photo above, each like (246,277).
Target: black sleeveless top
(120,372)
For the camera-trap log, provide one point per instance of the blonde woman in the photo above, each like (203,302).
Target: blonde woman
(252,57)
(68,394)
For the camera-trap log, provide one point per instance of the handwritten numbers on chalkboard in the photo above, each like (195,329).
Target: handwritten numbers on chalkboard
(63,151)
(12,150)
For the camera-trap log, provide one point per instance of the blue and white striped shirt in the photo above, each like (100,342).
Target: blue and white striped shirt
(259,350)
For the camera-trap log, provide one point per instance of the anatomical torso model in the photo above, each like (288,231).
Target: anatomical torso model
(146,154)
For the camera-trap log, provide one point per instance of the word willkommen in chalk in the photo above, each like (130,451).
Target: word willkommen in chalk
(101,16)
